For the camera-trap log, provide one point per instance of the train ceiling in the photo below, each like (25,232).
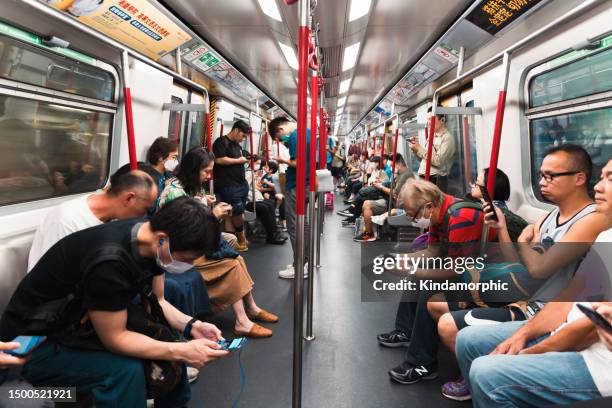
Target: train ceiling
(371,51)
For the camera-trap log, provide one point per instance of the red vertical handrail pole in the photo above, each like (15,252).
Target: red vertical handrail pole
(394,153)
(267,145)
(208,132)
(467,148)
(300,198)
(302,121)
(129,114)
(252,158)
(430,141)
(322,130)
(497,130)
(383,140)
(314,93)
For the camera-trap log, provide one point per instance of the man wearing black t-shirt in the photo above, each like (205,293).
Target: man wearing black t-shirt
(174,237)
(230,184)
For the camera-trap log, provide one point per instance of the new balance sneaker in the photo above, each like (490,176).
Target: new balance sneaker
(365,237)
(406,373)
(393,339)
(289,272)
(457,390)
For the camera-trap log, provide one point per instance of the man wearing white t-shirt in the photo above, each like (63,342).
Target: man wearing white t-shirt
(554,358)
(129,196)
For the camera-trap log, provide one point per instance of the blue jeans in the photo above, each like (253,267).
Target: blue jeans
(530,380)
(114,380)
(187,292)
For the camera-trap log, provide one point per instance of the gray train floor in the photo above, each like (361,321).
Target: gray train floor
(344,366)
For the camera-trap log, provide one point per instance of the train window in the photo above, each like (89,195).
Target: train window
(176,122)
(589,75)
(590,129)
(35,66)
(51,149)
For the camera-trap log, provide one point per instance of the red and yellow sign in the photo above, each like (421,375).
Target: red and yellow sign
(136,23)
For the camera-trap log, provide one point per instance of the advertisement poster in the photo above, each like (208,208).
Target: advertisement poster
(135,23)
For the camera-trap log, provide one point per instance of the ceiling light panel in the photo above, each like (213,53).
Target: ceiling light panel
(344,86)
(289,54)
(350,56)
(270,8)
(359,8)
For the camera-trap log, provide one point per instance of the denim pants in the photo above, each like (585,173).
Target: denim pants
(530,380)
(422,329)
(115,381)
(292,222)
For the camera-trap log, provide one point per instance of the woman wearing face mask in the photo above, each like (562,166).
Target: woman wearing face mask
(225,274)
(163,157)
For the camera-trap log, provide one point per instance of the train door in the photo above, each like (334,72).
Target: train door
(186,124)
(176,124)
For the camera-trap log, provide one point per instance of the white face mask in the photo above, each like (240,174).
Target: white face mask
(423,223)
(173,266)
(170,164)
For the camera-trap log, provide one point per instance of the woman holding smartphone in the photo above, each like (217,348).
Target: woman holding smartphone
(225,272)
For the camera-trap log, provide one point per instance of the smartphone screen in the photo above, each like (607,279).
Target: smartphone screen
(233,344)
(487,197)
(596,318)
(28,345)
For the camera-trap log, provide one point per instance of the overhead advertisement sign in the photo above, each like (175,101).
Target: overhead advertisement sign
(136,23)
(494,15)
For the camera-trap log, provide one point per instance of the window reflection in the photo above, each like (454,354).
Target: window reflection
(49,149)
(591,130)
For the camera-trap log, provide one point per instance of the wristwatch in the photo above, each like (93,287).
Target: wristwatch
(188,326)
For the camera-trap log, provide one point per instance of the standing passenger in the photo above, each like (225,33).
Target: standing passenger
(441,155)
(282,129)
(230,182)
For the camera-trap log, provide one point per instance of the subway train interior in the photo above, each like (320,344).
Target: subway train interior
(206,203)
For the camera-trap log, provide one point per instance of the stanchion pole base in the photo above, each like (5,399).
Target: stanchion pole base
(309,338)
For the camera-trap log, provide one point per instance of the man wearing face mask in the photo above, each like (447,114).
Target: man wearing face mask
(163,156)
(426,205)
(103,291)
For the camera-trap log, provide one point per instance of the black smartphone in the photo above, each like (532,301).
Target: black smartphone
(487,197)
(596,318)
(232,344)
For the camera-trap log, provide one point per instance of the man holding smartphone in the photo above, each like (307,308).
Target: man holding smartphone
(441,155)
(557,357)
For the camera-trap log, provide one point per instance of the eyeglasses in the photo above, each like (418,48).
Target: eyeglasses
(549,177)
(414,217)
(473,184)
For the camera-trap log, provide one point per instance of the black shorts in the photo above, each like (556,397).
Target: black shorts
(235,196)
(336,171)
(483,316)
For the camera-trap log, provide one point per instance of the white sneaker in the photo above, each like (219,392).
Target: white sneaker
(380,219)
(289,272)
(192,374)
(150,403)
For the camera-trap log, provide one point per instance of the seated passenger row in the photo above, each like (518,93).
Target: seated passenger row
(545,274)
(103,288)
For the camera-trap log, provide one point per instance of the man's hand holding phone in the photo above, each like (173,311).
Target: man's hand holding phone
(7,360)
(199,352)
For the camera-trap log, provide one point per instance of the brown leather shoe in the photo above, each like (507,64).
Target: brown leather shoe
(264,316)
(256,331)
